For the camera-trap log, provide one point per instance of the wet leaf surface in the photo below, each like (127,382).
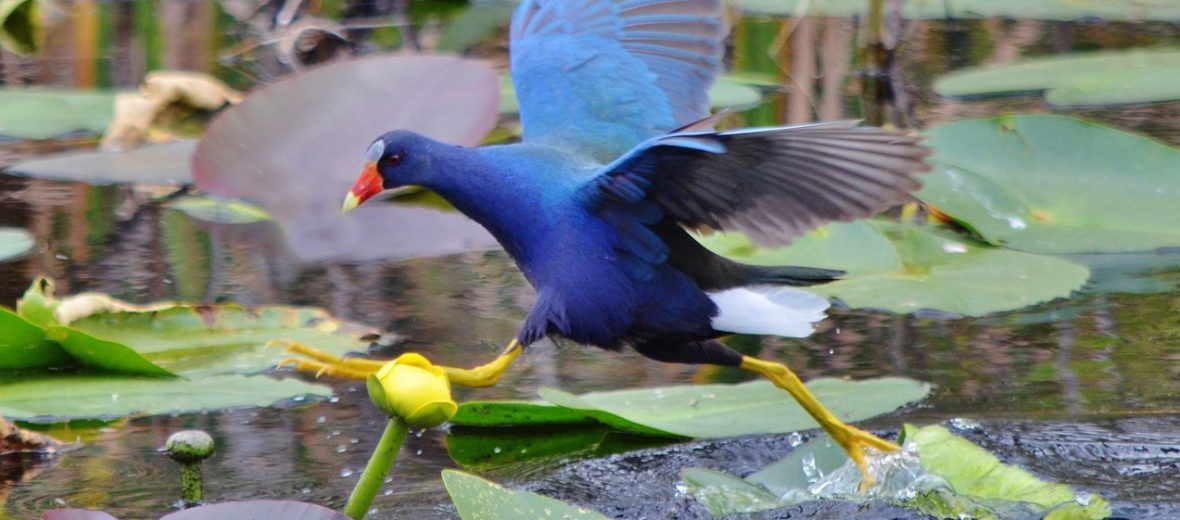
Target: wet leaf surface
(166,163)
(908,268)
(40,113)
(294,148)
(1051,184)
(476,498)
(1078,79)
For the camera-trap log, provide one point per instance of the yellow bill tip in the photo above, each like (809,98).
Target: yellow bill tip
(350,202)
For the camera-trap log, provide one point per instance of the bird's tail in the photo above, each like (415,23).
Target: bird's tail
(793,276)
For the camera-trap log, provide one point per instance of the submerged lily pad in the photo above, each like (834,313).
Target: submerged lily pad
(166,163)
(59,397)
(903,268)
(1051,184)
(14,242)
(256,509)
(35,113)
(1080,79)
(295,147)
(212,209)
(1120,10)
(949,478)
(717,411)
(476,498)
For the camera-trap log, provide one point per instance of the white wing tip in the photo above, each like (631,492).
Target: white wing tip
(768,310)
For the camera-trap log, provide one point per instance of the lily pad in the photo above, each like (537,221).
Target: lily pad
(294,148)
(948,478)
(490,447)
(34,113)
(59,397)
(903,268)
(717,411)
(476,498)
(1115,10)
(507,414)
(23,345)
(108,356)
(212,209)
(1051,184)
(166,163)
(256,509)
(14,242)
(1080,79)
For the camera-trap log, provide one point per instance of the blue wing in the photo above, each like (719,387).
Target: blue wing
(770,183)
(601,76)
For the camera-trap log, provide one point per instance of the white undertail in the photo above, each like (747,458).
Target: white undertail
(768,310)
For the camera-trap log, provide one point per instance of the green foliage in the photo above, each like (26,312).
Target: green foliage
(906,268)
(21,30)
(1051,184)
(36,113)
(133,351)
(476,498)
(1079,79)
(953,478)
(704,411)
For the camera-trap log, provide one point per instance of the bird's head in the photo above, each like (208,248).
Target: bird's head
(395,160)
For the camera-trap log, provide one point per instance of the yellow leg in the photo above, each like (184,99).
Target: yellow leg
(308,359)
(853,440)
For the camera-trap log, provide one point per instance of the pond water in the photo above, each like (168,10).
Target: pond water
(1084,390)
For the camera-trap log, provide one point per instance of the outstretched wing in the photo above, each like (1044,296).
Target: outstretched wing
(601,76)
(771,183)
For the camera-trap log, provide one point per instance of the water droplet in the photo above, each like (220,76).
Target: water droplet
(496,449)
(681,488)
(305,491)
(321,420)
(353,440)
(418,451)
(810,470)
(299,398)
(1017,223)
(954,247)
(387,492)
(419,432)
(831,351)
(114,398)
(1083,498)
(341,448)
(346,472)
(61,257)
(388,480)
(962,424)
(334,400)
(794,439)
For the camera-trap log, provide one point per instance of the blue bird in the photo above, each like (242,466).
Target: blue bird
(617,161)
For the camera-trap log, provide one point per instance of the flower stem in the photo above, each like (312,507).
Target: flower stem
(375,471)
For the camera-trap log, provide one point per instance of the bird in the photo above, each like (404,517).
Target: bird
(617,164)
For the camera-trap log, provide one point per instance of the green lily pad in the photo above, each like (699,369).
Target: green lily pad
(490,447)
(166,163)
(34,113)
(950,478)
(197,341)
(1080,79)
(903,268)
(14,242)
(20,26)
(108,356)
(717,411)
(476,498)
(1117,10)
(1050,184)
(59,397)
(23,345)
(223,211)
(511,413)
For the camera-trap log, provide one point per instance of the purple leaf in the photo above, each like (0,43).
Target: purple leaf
(256,509)
(295,147)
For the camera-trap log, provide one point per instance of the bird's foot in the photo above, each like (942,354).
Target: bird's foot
(319,363)
(855,441)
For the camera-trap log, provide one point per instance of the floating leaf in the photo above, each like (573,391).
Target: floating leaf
(1080,79)
(43,113)
(256,509)
(1165,10)
(166,163)
(510,413)
(485,447)
(476,498)
(903,268)
(58,397)
(294,148)
(108,356)
(950,478)
(14,242)
(756,407)
(1051,184)
(217,210)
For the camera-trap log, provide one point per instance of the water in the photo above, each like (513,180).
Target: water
(1081,391)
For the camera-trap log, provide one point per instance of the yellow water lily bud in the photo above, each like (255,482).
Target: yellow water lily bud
(412,389)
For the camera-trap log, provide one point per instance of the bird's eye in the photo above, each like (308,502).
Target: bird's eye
(391,160)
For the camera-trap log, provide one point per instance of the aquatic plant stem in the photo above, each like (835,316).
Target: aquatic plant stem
(375,471)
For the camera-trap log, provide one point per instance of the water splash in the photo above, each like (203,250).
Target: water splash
(897,476)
